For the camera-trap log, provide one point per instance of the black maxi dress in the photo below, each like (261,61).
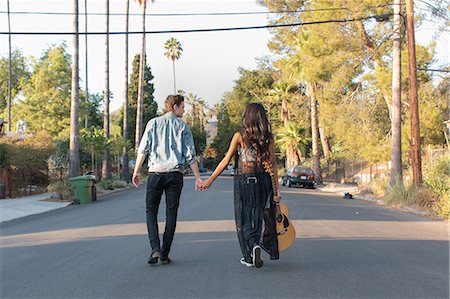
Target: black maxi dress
(253,205)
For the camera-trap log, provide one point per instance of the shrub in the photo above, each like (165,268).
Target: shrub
(377,186)
(107,185)
(425,198)
(62,189)
(119,184)
(437,178)
(400,195)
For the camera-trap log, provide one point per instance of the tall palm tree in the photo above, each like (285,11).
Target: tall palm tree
(140,100)
(311,91)
(106,165)
(74,150)
(396,123)
(173,52)
(86,63)
(9,69)
(125,169)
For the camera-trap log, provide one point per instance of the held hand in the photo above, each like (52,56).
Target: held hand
(198,184)
(206,184)
(136,180)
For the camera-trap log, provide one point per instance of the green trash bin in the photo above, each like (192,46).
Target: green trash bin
(84,187)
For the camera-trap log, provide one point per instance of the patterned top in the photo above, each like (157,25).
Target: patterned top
(247,161)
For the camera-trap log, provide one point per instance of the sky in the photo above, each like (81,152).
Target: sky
(209,63)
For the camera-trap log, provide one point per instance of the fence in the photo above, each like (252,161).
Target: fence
(348,171)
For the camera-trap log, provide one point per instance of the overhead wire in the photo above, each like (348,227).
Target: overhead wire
(186,14)
(378,17)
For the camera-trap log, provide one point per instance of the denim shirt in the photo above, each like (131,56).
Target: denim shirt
(168,144)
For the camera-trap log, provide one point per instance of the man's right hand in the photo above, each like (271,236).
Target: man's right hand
(136,180)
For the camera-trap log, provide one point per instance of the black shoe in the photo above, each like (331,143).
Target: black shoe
(165,260)
(257,260)
(247,262)
(153,259)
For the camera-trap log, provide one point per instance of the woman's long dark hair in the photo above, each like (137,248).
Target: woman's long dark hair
(255,130)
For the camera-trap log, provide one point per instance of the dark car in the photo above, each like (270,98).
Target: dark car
(300,176)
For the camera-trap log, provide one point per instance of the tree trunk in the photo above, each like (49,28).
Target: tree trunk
(292,157)
(396,123)
(325,142)
(74,150)
(140,101)
(125,168)
(174,80)
(284,112)
(106,167)
(86,63)
(9,70)
(312,94)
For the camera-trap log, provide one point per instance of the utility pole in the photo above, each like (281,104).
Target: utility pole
(413,97)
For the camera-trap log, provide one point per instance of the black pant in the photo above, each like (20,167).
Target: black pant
(171,183)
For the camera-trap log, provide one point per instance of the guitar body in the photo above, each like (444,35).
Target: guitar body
(285,229)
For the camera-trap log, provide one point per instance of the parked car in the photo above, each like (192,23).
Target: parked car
(300,176)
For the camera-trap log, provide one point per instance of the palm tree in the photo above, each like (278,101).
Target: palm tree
(106,166)
(140,100)
(396,123)
(125,169)
(192,100)
(282,92)
(9,69)
(201,112)
(86,63)
(74,150)
(311,91)
(291,139)
(173,52)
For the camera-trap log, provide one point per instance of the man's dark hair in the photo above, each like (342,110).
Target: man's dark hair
(173,100)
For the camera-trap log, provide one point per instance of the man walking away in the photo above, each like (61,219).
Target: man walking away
(168,143)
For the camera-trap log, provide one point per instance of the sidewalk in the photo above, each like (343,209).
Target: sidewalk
(28,205)
(338,188)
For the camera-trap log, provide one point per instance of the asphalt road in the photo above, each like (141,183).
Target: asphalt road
(344,249)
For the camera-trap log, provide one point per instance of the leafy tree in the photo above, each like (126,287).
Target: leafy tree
(225,131)
(20,75)
(90,115)
(93,141)
(150,106)
(252,86)
(46,102)
(200,136)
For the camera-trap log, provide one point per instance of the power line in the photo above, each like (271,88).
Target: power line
(377,17)
(188,14)
(434,70)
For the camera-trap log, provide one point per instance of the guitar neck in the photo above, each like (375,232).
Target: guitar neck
(274,185)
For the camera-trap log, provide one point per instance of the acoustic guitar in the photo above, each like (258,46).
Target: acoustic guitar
(285,229)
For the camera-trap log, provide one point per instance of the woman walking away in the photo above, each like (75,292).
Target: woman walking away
(254,202)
